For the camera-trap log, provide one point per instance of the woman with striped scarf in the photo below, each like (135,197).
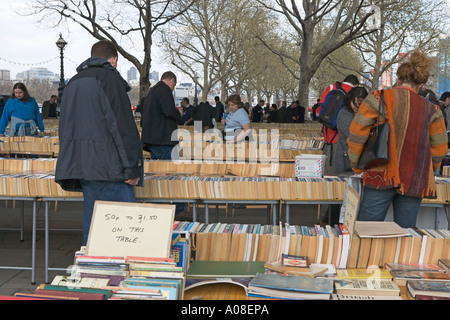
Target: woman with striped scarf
(417,145)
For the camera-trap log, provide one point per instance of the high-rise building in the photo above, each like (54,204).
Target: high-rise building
(5,75)
(132,74)
(154,75)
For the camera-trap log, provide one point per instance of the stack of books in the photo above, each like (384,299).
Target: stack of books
(266,285)
(423,281)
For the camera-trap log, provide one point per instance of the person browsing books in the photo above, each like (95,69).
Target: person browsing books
(160,119)
(237,123)
(23,112)
(417,145)
(100,147)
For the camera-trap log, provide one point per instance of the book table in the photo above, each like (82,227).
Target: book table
(33,236)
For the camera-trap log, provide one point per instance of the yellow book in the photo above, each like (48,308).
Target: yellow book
(364,273)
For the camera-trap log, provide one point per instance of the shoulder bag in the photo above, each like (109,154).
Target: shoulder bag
(376,149)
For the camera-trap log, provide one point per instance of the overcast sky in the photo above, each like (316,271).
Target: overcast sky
(25,44)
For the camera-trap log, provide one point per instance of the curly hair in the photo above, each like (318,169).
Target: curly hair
(236,99)
(416,70)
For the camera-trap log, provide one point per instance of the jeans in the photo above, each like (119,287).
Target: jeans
(103,191)
(375,205)
(165,153)
(161,152)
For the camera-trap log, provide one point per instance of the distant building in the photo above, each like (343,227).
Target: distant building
(154,76)
(132,74)
(5,75)
(42,74)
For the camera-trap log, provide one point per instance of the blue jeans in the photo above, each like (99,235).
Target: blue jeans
(103,191)
(375,205)
(165,153)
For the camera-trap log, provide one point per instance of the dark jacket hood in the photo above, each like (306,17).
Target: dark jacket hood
(97,62)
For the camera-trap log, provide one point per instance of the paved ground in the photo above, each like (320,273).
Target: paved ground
(64,243)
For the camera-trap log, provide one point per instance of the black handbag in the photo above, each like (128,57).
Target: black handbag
(376,149)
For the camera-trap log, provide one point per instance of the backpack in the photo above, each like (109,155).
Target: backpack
(331,106)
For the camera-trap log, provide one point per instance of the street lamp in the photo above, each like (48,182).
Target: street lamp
(61,44)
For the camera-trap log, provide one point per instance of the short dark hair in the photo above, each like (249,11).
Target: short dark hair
(351,78)
(185,99)
(445,95)
(357,92)
(168,75)
(104,49)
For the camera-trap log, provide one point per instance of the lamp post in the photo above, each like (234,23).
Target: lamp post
(61,44)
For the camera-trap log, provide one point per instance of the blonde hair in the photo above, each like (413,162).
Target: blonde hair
(416,70)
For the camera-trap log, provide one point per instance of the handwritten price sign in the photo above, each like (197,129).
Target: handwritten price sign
(130,229)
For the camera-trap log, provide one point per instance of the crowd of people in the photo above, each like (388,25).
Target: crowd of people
(101,148)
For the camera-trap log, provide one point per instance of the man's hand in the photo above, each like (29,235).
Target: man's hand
(133,182)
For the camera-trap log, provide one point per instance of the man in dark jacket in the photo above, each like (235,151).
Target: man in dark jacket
(100,148)
(295,113)
(49,108)
(160,119)
(257,112)
(220,109)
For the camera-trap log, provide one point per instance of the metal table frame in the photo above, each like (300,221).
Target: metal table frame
(438,207)
(274,203)
(288,203)
(33,235)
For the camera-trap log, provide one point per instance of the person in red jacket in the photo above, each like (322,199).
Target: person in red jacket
(331,137)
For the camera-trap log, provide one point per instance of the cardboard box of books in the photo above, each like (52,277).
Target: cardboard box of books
(310,165)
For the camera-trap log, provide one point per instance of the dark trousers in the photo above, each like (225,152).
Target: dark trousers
(102,191)
(375,205)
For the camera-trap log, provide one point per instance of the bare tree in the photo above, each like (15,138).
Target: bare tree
(340,22)
(213,43)
(404,26)
(129,24)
